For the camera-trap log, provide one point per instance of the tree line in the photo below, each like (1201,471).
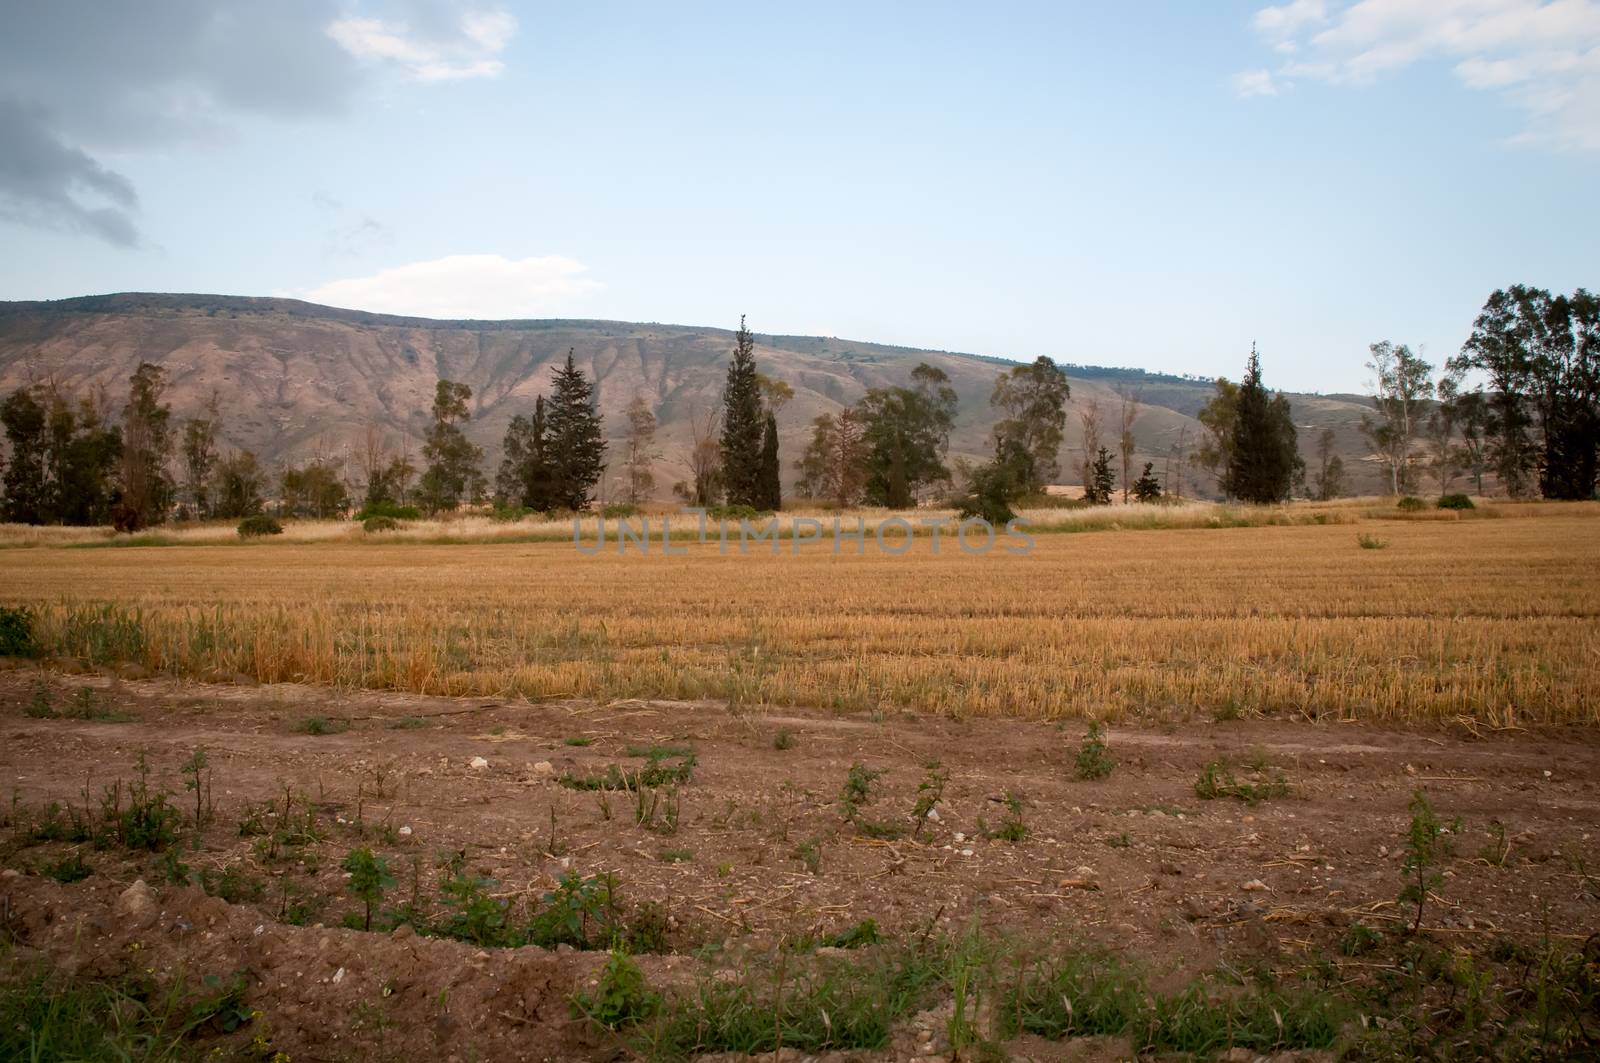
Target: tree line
(1521,402)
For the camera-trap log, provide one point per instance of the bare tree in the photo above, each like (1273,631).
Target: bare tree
(705,455)
(640,450)
(1125,442)
(1402,383)
(1089,418)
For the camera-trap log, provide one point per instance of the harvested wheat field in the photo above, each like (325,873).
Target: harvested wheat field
(1491,619)
(349,801)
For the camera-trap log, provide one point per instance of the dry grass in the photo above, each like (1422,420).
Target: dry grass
(1491,619)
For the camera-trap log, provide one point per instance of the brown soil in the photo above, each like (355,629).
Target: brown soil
(1135,861)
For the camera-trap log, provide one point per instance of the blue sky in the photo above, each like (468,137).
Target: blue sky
(1143,184)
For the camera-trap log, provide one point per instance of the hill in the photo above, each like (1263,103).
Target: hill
(295,378)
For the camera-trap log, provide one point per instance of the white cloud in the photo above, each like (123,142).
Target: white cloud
(489,287)
(1544,55)
(468,49)
(1249,83)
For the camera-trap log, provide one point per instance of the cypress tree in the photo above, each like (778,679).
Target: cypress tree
(1101,480)
(1147,488)
(525,473)
(742,426)
(1264,456)
(577,451)
(771,481)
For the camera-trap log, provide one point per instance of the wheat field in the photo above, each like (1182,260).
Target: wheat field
(1494,620)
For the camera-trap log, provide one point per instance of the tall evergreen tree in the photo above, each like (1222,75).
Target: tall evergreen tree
(1264,456)
(525,477)
(146,450)
(1101,480)
(577,446)
(743,425)
(1147,488)
(453,473)
(26,494)
(771,474)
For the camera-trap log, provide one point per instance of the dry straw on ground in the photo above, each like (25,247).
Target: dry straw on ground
(1491,619)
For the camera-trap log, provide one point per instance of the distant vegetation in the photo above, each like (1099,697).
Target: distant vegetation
(1532,421)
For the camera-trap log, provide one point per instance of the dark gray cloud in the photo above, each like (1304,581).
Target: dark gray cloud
(82,81)
(43,182)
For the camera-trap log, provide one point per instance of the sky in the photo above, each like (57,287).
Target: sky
(1145,184)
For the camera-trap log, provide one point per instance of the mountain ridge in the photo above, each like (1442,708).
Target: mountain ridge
(295,378)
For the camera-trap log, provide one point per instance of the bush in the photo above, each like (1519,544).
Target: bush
(388,509)
(509,514)
(735,513)
(380,524)
(1456,502)
(1411,504)
(16,633)
(259,525)
(624,510)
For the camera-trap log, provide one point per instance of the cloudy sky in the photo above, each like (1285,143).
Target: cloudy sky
(1147,184)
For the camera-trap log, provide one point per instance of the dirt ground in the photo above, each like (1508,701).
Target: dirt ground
(1135,861)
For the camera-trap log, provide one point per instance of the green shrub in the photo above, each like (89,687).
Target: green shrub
(735,513)
(388,509)
(621,997)
(619,511)
(1094,762)
(1411,504)
(259,525)
(1370,542)
(509,514)
(16,633)
(380,524)
(1456,502)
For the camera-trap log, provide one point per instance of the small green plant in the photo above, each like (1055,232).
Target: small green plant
(1411,504)
(676,856)
(1421,856)
(1371,542)
(1359,940)
(1456,502)
(930,791)
(1012,828)
(621,997)
(322,725)
(809,853)
(1217,780)
(233,884)
(784,739)
(197,779)
(369,877)
(40,706)
(656,808)
(69,869)
(16,633)
(860,936)
(572,908)
(1120,841)
(148,821)
(578,740)
(857,790)
(408,723)
(475,916)
(259,525)
(1094,760)
(1497,850)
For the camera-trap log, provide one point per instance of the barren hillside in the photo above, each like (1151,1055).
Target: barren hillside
(295,378)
